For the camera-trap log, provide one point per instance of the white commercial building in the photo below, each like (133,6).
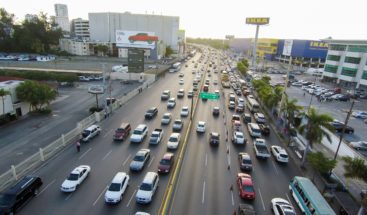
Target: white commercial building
(80,28)
(12,105)
(103,26)
(75,46)
(62,17)
(346,63)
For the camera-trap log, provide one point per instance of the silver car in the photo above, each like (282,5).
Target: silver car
(141,157)
(360,145)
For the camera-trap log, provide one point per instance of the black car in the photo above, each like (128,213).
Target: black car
(338,126)
(214,139)
(151,113)
(15,197)
(216,111)
(344,98)
(265,129)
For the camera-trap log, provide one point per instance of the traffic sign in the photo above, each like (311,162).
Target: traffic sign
(211,96)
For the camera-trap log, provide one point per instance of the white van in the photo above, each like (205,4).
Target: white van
(147,188)
(254,129)
(90,132)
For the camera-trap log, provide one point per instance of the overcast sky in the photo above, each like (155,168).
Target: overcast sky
(289,19)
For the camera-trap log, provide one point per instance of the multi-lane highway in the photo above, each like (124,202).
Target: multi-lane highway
(204,182)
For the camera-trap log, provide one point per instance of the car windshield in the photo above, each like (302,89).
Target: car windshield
(164,162)
(73,177)
(139,158)
(283,155)
(178,122)
(119,130)
(114,187)
(215,137)
(155,135)
(239,135)
(146,187)
(6,199)
(85,133)
(173,139)
(150,111)
(137,132)
(246,161)
(248,188)
(165,117)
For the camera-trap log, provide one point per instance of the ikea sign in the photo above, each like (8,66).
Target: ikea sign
(257,20)
(318,45)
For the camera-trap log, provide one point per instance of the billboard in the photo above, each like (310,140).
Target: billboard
(287,49)
(257,20)
(135,39)
(135,59)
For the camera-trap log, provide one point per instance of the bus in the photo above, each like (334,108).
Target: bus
(252,105)
(308,198)
(175,67)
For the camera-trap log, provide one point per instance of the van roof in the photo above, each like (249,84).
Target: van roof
(23,183)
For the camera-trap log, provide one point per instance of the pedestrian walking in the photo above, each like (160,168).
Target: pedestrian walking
(304,94)
(78,146)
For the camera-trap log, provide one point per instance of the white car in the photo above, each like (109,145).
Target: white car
(184,111)
(171,103)
(241,101)
(140,159)
(238,138)
(147,188)
(139,133)
(280,154)
(117,188)
(281,206)
(181,81)
(360,114)
(297,84)
(360,145)
(173,141)
(259,118)
(166,118)
(75,178)
(200,128)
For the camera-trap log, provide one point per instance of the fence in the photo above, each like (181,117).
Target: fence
(18,171)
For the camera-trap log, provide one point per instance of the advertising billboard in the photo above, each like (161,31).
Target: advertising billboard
(135,60)
(287,49)
(257,20)
(135,39)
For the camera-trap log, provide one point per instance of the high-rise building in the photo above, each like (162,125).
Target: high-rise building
(80,28)
(62,17)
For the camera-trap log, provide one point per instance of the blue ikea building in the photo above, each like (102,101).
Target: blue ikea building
(305,53)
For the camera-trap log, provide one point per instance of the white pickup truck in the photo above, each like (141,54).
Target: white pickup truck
(261,149)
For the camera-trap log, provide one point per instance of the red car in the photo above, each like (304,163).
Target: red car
(143,37)
(245,186)
(166,163)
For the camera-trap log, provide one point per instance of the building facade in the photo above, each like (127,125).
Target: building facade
(103,26)
(12,105)
(304,53)
(346,63)
(80,28)
(240,45)
(62,17)
(266,48)
(75,46)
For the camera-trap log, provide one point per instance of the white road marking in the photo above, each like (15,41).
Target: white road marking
(99,196)
(84,153)
(229,159)
(151,161)
(206,159)
(47,186)
(108,133)
(232,197)
(276,170)
(203,197)
(107,155)
(131,198)
(123,164)
(289,200)
(68,197)
(262,201)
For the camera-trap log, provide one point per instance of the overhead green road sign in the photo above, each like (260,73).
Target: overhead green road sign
(211,96)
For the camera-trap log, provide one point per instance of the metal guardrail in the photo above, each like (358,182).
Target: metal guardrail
(44,154)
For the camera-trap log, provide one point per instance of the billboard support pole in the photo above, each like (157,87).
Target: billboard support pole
(255,46)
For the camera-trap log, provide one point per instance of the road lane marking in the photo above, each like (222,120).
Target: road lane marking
(203,197)
(123,164)
(99,196)
(262,201)
(276,170)
(84,153)
(131,198)
(206,159)
(46,187)
(151,161)
(68,197)
(108,133)
(229,160)
(107,155)
(289,200)
(232,197)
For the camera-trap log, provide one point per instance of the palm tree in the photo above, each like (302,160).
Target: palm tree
(356,168)
(3,93)
(291,109)
(314,129)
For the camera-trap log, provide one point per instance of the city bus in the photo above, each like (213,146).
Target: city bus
(252,105)
(175,67)
(308,198)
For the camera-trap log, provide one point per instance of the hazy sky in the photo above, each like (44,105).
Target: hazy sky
(289,19)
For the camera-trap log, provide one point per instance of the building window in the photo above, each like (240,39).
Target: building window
(349,72)
(333,57)
(331,68)
(354,60)
(364,75)
(357,49)
(337,47)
